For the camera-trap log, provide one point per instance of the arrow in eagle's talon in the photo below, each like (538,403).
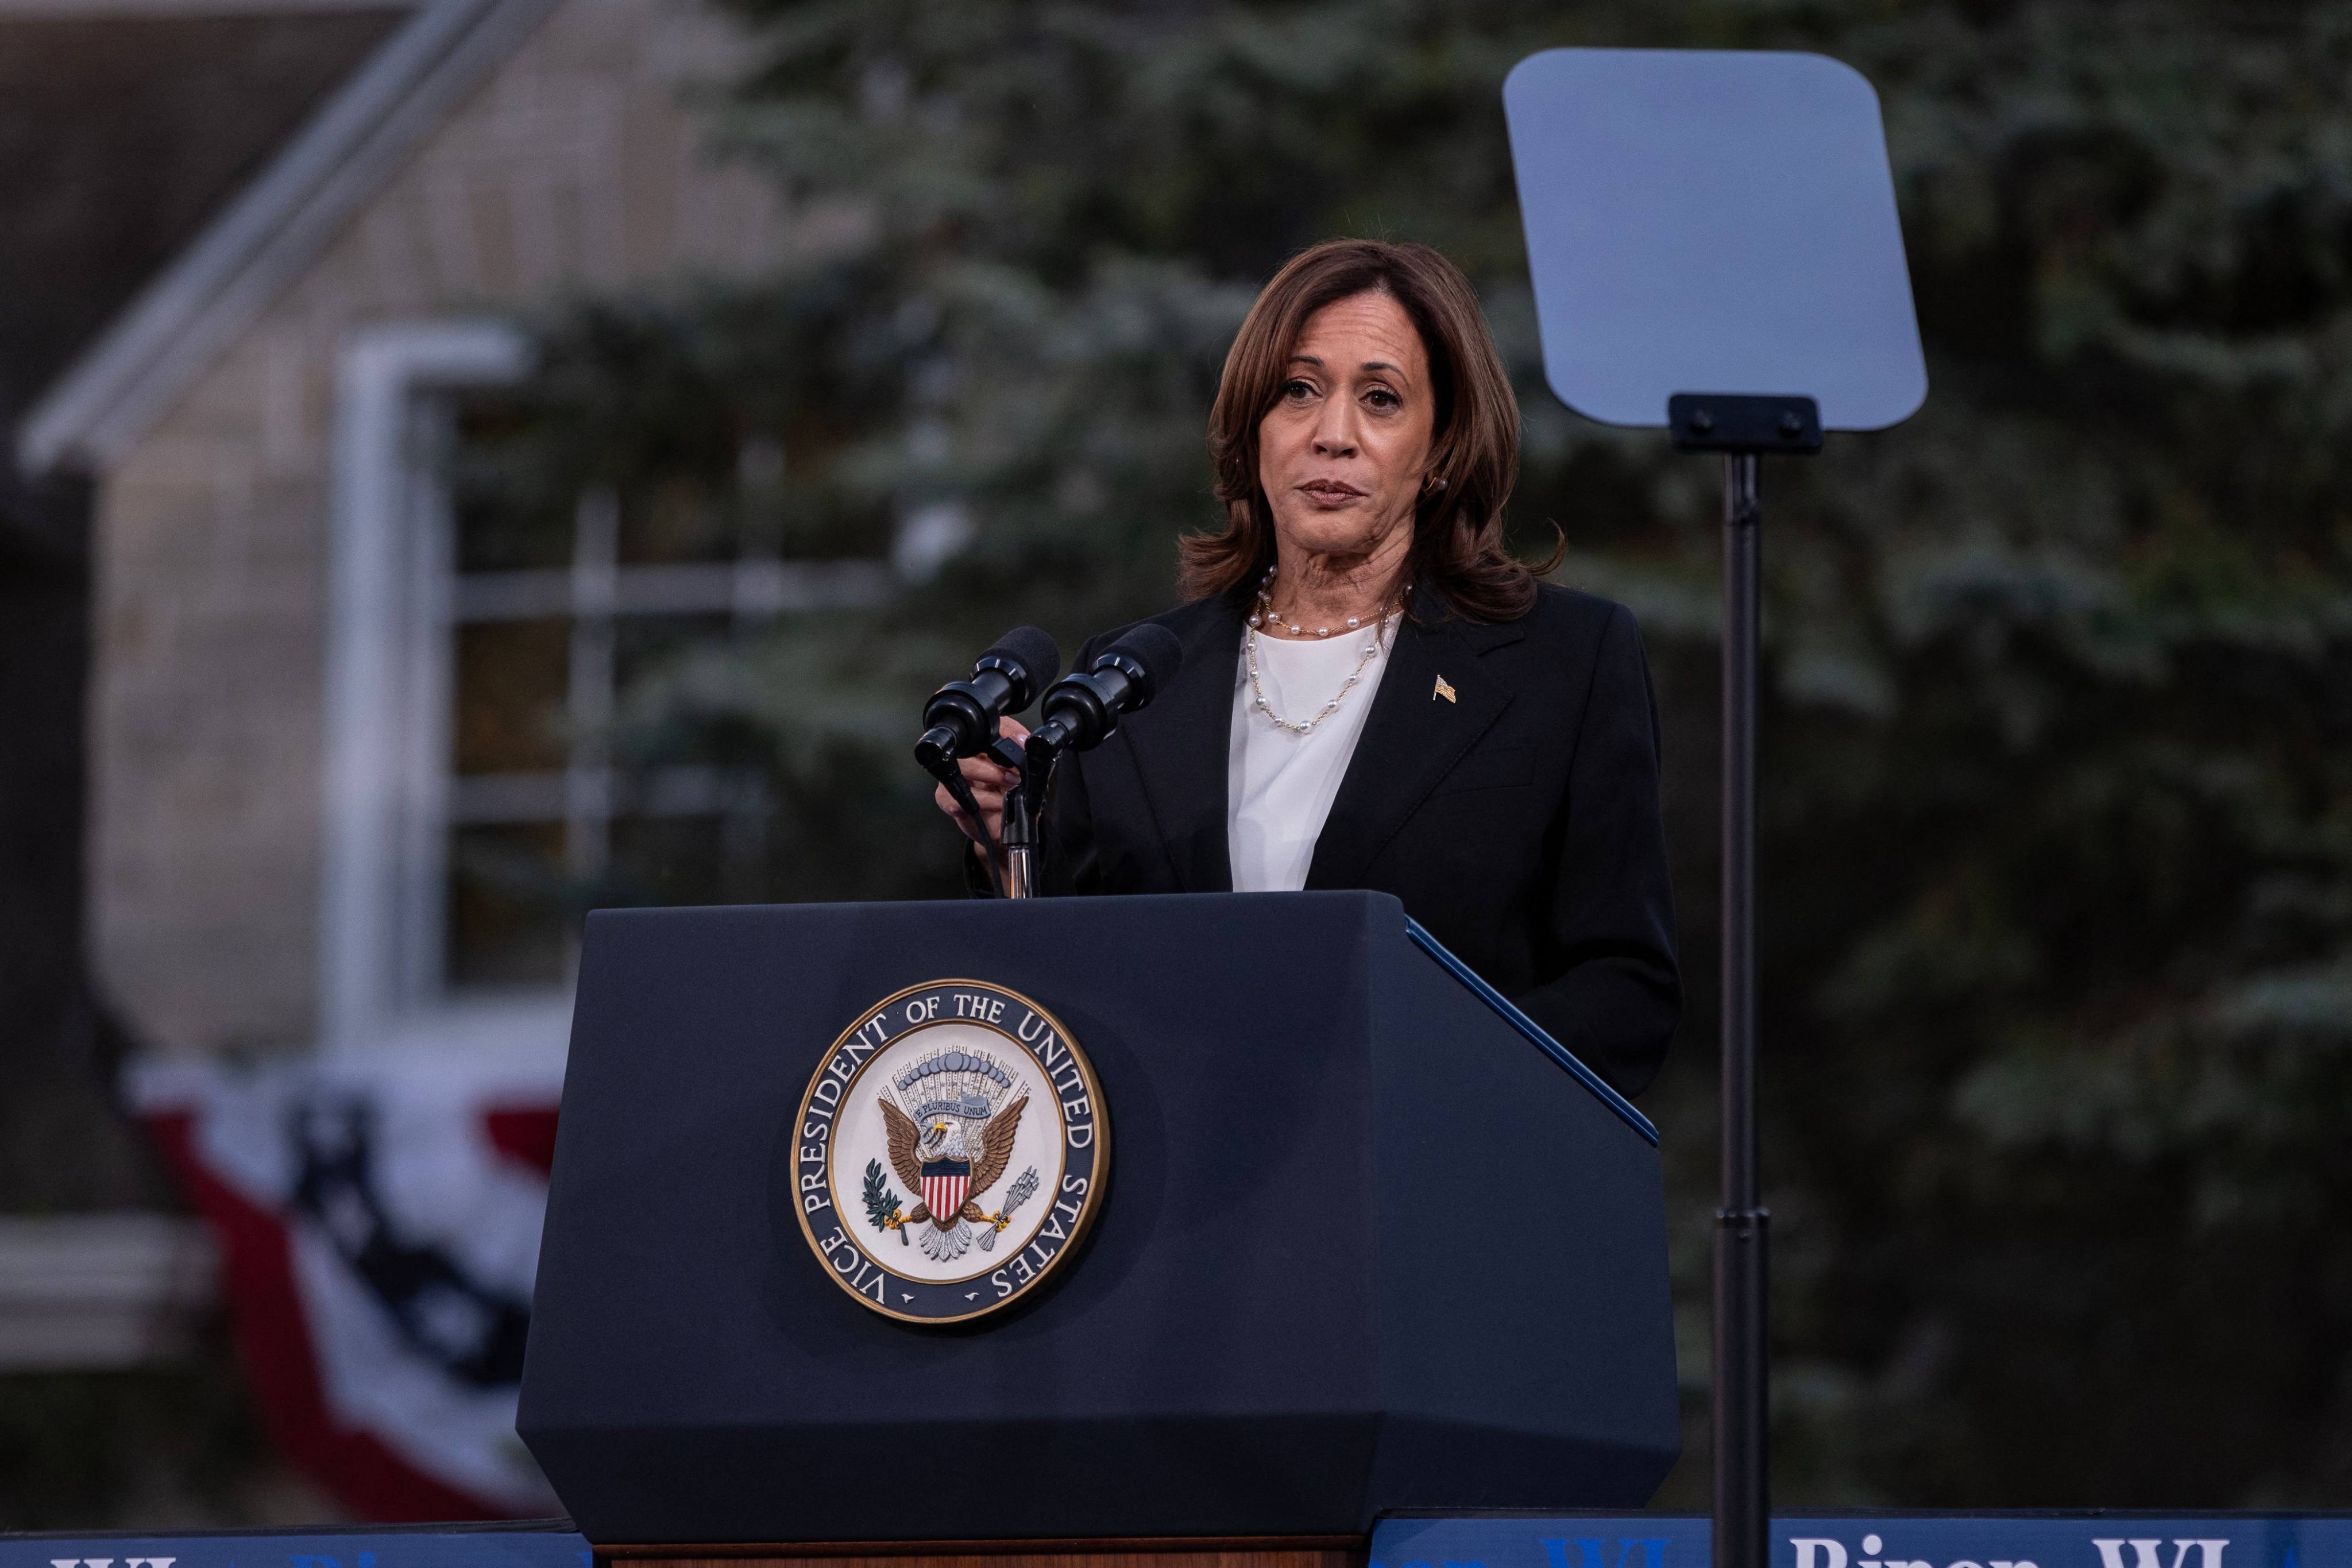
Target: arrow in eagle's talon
(1013,1199)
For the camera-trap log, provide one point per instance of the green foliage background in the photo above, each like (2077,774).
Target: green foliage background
(2057,814)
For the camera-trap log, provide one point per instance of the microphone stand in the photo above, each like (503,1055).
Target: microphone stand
(1013,860)
(941,765)
(1021,809)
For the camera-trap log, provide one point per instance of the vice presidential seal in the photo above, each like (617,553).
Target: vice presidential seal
(949,1152)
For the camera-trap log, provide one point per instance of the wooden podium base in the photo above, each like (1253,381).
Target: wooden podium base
(1167,1552)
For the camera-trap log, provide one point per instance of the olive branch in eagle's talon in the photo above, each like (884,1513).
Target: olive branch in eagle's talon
(882,1201)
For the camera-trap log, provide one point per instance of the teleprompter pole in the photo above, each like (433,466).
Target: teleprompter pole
(1743,428)
(1742,1476)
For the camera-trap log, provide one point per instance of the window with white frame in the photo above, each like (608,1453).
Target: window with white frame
(548,624)
(475,656)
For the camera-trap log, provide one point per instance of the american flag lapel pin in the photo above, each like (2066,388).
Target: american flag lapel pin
(1443,691)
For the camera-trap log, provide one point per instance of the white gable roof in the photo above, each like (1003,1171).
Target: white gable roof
(171,334)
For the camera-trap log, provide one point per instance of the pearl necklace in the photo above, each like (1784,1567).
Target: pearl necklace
(1265,612)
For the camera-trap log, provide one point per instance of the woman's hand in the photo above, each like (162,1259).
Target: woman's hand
(988,783)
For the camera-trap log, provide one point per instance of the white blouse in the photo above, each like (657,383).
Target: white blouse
(1279,785)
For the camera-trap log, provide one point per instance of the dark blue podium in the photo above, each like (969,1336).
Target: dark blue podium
(1368,1242)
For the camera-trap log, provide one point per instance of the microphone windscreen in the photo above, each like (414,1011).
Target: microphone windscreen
(1155,647)
(1034,651)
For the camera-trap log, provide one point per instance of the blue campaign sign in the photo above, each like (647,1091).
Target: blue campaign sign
(1713,221)
(442,1546)
(1591,1540)
(1876,1540)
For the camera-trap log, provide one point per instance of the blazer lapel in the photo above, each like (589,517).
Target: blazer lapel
(1180,746)
(1412,737)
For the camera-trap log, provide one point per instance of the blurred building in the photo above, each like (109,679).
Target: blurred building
(258,253)
(123,130)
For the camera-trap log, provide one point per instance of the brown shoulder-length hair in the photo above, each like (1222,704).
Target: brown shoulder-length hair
(1457,525)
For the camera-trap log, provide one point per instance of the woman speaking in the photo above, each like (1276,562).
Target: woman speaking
(1374,692)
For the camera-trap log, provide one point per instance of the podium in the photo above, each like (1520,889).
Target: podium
(1367,1241)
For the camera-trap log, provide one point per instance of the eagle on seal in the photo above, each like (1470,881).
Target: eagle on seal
(949,1160)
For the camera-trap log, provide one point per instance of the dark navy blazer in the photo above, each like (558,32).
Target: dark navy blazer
(1519,822)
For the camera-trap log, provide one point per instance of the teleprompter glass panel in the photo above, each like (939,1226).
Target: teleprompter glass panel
(1713,221)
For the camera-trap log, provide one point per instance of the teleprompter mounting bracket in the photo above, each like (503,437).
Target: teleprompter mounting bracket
(1738,422)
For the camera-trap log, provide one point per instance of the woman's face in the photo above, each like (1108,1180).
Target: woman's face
(1342,452)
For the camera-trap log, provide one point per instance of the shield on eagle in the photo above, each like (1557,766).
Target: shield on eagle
(962,1149)
(945,1183)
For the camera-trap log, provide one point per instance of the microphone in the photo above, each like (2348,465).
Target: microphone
(1082,711)
(959,721)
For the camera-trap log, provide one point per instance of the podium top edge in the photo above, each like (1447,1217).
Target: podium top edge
(1534,1032)
(1054,902)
